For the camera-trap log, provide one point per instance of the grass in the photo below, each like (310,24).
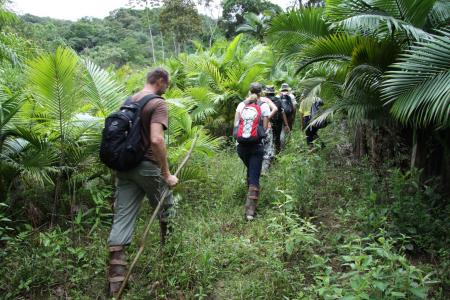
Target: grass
(308,241)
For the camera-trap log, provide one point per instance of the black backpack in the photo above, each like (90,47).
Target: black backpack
(286,103)
(278,117)
(122,147)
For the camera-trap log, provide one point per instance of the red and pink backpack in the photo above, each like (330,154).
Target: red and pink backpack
(250,129)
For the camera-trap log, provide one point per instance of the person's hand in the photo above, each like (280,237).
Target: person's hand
(171,180)
(287,129)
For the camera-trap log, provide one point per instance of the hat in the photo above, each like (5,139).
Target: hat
(285,87)
(256,88)
(270,90)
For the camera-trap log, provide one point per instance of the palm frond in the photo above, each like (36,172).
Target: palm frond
(10,104)
(380,25)
(231,49)
(101,89)
(254,73)
(440,14)
(8,51)
(418,87)
(203,105)
(54,83)
(364,76)
(289,32)
(380,17)
(333,47)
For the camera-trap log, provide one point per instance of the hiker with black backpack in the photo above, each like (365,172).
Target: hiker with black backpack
(289,104)
(278,119)
(133,145)
(250,124)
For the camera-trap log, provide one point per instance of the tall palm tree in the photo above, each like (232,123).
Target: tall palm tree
(363,39)
(256,25)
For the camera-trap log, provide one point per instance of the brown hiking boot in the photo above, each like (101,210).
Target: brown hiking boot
(252,201)
(117,269)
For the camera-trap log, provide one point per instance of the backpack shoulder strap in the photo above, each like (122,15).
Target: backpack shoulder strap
(144,100)
(128,101)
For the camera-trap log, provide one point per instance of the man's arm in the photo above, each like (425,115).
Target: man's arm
(273,108)
(285,121)
(266,122)
(159,151)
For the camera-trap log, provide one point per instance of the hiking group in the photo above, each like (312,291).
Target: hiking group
(261,121)
(133,145)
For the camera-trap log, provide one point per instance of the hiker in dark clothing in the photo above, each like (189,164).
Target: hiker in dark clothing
(289,104)
(251,122)
(278,119)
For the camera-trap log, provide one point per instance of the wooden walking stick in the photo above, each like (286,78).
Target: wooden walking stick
(152,219)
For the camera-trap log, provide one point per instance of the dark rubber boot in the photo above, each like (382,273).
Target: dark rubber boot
(117,269)
(164,229)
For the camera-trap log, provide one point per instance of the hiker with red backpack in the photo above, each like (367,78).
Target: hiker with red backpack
(251,121)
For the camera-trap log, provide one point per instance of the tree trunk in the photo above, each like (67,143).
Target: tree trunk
(360,144)
(162,46)
(56,198)
(414,149)
(174,45)
(152,45)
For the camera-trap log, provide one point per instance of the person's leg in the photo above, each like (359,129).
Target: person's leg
(255,164)
(308,133)
(314,134)
(126,208)
(276,128)
(244,156)
(290,121)
(268,150)
(150,180)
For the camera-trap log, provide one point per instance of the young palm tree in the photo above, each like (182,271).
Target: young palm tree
(215,81)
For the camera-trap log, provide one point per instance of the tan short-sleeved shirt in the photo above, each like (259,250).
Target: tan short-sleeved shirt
(155,111)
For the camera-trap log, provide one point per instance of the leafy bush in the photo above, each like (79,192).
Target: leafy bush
(403,206)
(371,269)
(40,264)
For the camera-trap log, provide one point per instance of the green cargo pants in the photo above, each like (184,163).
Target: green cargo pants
(132,186)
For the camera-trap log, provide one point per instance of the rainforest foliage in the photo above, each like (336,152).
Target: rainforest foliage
(364,214)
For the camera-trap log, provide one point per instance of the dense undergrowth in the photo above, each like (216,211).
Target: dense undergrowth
(328,228)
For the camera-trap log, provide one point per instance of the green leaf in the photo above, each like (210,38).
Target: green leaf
(398,295)
(380,285)
(420,293)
